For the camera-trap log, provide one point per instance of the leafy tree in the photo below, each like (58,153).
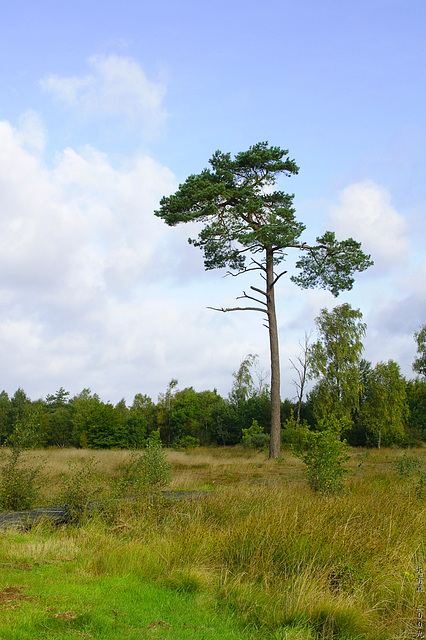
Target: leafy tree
(60,422)
(59,399)
(5,421)
(254,437)
(416,398)
(419,364)
(226,425)
(334,359)
(243,386)
(185,417)
(105,429)
(83,405)
(208,402)
(18,406)
(384,410)
(243,217)
(165,401)
(140,421)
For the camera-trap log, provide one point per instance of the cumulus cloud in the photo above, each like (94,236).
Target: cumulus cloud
(78,242)
(365,213)
(115,86)
(95,291)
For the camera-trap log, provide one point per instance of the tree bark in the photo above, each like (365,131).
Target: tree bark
(275,440)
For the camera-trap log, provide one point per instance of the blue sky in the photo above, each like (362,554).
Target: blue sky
(105,107)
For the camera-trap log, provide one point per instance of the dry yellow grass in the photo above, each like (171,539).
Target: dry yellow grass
(206,468)
(261,541)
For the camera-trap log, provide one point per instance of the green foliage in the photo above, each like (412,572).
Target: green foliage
(18,483)
(384,407)
(240,211)
(334,359)
(187,442)
(5,414)
(244,216)
(419,364)
(80,487)
(295,434)
(144,472)
(324,459)
(140,420)
(331,264)
(105,430)
(416,398)
(155,470)
(406,465)
(254,437)
(243,387)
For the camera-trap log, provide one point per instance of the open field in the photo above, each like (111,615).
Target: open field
(261,547)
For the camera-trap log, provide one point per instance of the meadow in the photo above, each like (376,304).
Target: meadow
(256,555)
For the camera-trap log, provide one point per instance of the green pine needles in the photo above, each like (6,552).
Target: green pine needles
(251,226)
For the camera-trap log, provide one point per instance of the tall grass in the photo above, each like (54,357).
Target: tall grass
(288,562)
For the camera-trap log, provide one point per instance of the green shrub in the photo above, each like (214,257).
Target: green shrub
(421,484)
(254,437)
(144,472)
(324,460)
(154,467)
(186,442)
(294,434)
(18,490)
(80,488)
(405,465)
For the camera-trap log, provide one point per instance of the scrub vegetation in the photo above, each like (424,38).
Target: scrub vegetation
(257,554)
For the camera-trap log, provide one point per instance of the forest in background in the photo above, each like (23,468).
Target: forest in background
(375,405)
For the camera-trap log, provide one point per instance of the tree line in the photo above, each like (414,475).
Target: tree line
(373,405)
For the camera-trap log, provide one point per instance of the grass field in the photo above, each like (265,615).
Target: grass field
(258,556)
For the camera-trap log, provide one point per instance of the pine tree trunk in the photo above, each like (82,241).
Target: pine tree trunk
(275,441)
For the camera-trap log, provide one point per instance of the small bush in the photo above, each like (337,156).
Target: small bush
(155,469)
(18,490)
(405,465)
(294,434)
(324,461)
(147,471)
(186,442)
(80,487)
(421,484)
(254,437)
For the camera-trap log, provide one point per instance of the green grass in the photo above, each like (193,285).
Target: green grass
(262,556)
(59,600)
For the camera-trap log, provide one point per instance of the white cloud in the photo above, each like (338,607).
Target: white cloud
(116,86)
(95,291)
(76,242)
(31,132)
(365,213)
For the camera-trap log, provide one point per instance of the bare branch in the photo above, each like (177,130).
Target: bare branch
(259,291)
(237,309)
(251,298)
(234,275)
(259,265)
(277,278)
